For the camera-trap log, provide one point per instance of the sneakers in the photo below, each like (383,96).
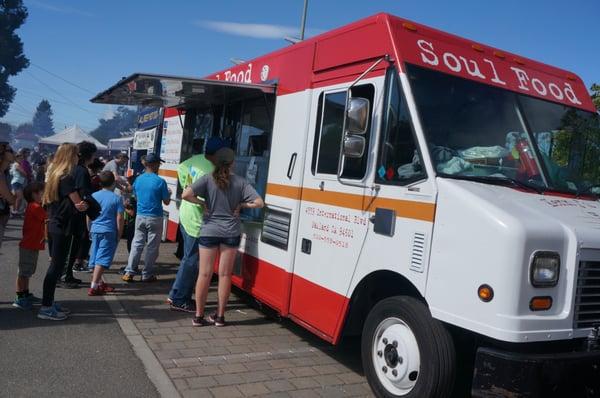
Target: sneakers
(62,309)
(127,278)
(106,288)
(69,283)
(51,314)
(190,307)
(95,292)
(79,267)
(217,320)
(150,279)
(23,303)
(199,321)
(34,300)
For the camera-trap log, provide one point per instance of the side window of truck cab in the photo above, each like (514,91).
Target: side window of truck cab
(328,134)
(399,160)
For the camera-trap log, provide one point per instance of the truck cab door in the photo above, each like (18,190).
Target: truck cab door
(333,216)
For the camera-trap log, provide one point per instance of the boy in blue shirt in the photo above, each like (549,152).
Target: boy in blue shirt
(106,231)
(151,192)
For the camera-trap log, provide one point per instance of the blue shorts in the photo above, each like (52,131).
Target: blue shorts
(16,186)
(102,251)
(208,242)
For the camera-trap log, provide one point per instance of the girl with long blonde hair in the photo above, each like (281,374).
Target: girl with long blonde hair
(63,202)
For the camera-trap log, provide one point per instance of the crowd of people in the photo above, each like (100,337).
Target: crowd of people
(82,207)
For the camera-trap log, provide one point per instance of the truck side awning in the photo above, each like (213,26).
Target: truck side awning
(174,91)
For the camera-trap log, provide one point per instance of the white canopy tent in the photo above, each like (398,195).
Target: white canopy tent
(73,135)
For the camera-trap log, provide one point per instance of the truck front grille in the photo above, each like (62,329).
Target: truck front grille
(587,297)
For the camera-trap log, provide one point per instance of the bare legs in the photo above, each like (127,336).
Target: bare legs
(207,261)
(97,276)
(225,269)
(205,271)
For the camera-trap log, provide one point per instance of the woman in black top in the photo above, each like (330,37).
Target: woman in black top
(63,203)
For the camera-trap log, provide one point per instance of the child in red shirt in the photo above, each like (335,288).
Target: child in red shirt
(34,237)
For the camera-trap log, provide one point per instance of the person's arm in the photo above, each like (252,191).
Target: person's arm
(166,193)
(257,203)
(189,195)
(80,205)
(5,192)
(120,225)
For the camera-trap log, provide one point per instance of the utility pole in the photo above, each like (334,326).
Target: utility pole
(303,23)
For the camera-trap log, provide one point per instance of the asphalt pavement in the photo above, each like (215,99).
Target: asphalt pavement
(85,356)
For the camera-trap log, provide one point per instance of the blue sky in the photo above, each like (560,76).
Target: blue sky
(92,44)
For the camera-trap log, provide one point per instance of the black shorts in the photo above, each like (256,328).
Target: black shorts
(209,242)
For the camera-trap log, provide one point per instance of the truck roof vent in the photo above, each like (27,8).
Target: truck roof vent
(418,251)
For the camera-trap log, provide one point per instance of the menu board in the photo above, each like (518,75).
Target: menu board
(172,136)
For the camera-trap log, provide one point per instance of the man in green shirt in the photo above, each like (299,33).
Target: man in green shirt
(190,222)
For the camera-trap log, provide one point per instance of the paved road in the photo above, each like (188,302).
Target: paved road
(87,355)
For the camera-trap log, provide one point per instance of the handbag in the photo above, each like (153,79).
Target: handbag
(94,208)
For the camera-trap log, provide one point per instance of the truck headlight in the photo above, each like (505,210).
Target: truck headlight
(545,269)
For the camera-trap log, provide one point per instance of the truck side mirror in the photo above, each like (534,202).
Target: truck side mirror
(357,115)
(354,146)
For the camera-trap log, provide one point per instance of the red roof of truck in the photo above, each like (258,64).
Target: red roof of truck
(341,54)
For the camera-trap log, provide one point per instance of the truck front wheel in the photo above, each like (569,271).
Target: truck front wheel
(405,352)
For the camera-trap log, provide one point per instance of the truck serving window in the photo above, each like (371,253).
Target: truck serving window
(399,158)
(328,134)
(475,131)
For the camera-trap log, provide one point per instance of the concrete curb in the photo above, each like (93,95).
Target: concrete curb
(154,369)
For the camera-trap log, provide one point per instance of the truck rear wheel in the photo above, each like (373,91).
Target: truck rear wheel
(405,352)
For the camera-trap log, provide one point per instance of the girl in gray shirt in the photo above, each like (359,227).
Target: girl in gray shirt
(223,195)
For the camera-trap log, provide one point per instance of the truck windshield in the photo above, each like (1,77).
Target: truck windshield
(479,132)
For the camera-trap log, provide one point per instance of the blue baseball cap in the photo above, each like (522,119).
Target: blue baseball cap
(153,158)
(214,144)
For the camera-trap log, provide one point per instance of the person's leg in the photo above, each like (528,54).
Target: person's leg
(97,276)
(3,221)
(60,252)
(155,229)
(137,246)
(83,251)
(205,272)
(76,242)
(226,262)
(182,289)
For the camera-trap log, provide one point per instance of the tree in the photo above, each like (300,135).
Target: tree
(124,119)
(24,129)
(12,60)
(596,95)
(6,131)
(42,120)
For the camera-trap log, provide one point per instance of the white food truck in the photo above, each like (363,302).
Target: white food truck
(435,195)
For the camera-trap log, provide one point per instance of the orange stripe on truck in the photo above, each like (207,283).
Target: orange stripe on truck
(167,173)
(404,208)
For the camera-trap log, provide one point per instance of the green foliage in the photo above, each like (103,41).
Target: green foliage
(24,128)
(12,60)
(42,120)
(123,120)
(6,131)
(596,95)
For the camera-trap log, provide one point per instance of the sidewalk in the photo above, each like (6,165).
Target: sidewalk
(97,351)
(255,355)
(85,356)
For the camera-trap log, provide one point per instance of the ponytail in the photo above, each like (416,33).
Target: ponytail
(221,175)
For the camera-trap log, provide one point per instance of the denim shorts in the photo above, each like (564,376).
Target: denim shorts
(208,242)
(16,186)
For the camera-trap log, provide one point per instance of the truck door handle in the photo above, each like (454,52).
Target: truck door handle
(292,165)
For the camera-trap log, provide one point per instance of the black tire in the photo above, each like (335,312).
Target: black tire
(436,348)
